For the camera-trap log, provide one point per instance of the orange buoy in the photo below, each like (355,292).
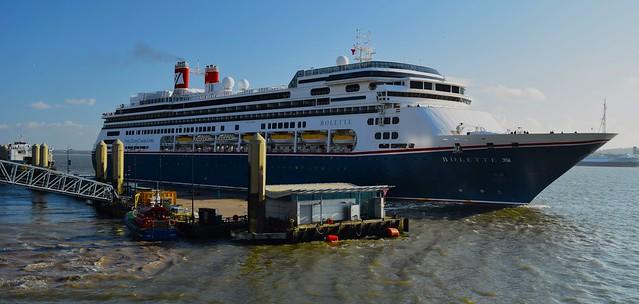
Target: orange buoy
(331,238)
(392,232)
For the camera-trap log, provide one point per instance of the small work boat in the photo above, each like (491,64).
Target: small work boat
(151,224)
(152,221)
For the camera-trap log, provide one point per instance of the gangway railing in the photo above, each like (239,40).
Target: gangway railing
(46,180)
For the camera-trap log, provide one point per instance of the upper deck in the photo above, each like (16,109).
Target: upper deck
(303,76)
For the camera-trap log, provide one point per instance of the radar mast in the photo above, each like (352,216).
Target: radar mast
(362,50)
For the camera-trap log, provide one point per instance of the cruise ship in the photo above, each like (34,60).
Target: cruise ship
(367,123)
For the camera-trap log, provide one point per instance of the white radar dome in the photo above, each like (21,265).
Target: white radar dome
(243,84)
(228,83)
(342,60)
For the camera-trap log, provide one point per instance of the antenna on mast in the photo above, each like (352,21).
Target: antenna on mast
(362,50)
(602,125)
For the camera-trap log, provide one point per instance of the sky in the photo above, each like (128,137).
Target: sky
(539,65)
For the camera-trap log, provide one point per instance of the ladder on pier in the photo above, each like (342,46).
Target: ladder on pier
(46,180)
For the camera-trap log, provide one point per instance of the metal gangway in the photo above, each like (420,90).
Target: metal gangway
(46,180)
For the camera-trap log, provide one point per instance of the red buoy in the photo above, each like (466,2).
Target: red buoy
(392,232)
(331,238)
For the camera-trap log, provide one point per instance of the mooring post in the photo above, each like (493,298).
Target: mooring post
(35,155)
(257,184)
(101,161)
(117,150)
(44,155)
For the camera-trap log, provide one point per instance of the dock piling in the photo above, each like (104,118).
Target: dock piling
(35,155)
(101,161)
(117,150)
(257,184)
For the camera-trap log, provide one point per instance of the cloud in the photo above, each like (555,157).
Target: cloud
(144,51)
(40,105)
(632,81)
(80,101)
(38,125)
(515,94)
(4,126)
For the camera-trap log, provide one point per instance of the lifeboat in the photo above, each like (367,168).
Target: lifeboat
(184,139)
(343,138)
(313,137)
(282,138)
(247,137)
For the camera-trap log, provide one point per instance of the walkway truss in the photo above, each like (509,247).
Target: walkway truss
(46,180)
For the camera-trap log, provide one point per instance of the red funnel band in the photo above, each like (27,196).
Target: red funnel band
(181,79)
(212,77)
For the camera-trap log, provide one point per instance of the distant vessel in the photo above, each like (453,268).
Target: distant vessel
(610,160)
(366,123)
(20,152)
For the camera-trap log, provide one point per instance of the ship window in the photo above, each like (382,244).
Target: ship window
(221,128)
(394,135)
(395,120)
(237,127)
(270,126)
(387,120)
(377,121)
(442,87)
(292,124)
(299,124)
(320,91)
(213,129)
(352,88)
(386,135)
(398,146)
(370,121)
(323,101)
(428,85)
(383,146)
(416,85)
(398,83)
(378,135)
(411,145)
(113,133)
(304,124)
(462,90)
(262,126)
(280,125)
(456,89)
(286,125)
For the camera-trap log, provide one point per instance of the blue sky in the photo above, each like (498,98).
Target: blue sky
(543,65)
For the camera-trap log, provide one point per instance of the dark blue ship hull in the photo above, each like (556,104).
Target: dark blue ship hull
(493,175)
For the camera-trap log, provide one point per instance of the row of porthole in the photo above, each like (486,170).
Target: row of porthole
(385,120)
(386,135)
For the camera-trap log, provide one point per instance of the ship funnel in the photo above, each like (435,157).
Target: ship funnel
(181,79)
(211,77)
